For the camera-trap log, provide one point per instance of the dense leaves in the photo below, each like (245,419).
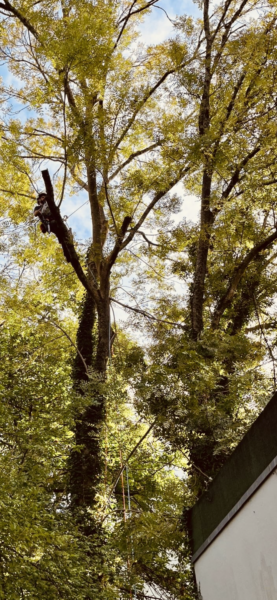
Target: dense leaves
(110,429)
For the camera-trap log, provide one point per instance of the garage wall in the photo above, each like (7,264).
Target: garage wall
(241,562)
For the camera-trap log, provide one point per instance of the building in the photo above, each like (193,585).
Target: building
(234,524)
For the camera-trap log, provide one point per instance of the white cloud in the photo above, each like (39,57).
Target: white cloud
(157,27)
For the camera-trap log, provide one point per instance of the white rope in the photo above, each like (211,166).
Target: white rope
(130,514)
(68,217)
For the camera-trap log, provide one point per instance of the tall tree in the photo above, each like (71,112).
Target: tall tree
(99,111)
(210,364)
(126,124)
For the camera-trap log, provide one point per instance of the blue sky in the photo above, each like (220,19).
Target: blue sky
(157,26)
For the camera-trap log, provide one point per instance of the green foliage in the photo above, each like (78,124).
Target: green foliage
(133,121)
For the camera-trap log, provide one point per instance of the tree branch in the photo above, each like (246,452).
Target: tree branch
(150,93)
(150,206)
(15,193)
(110,207)
(72,343)
(270,325)
(131,157)
(118,244)
(8,6)
(78,179)
(226,300)
(148,5)
(147,240)
(229,110)
(226,33)
(125,20)
(236,175)
(266,341)
(147,315)
(129,457)
(74,259)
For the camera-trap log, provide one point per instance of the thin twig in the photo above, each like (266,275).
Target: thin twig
(71,341)
(147,240)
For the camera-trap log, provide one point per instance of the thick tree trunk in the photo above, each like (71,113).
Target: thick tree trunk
(201,259)
(206,214)
(85,462)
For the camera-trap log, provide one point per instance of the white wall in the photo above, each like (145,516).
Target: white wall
(241,563)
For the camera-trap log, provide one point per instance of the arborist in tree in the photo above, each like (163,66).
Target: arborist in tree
(42,211)
(48,224)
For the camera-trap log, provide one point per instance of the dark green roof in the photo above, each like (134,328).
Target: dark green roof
(248,466)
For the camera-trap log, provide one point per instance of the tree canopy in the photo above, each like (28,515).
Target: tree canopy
(112,428)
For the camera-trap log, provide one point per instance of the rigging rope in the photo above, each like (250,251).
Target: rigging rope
(130,514)
(68,217)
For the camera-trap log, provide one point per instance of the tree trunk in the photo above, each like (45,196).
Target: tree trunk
(104,330)
(207,220)
(85,464)
(206,214)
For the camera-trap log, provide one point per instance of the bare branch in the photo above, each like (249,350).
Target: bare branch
(147,315)
(147,240)
(132,156)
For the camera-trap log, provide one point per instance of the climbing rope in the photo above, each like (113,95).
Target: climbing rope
(130,514)
(73,213)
